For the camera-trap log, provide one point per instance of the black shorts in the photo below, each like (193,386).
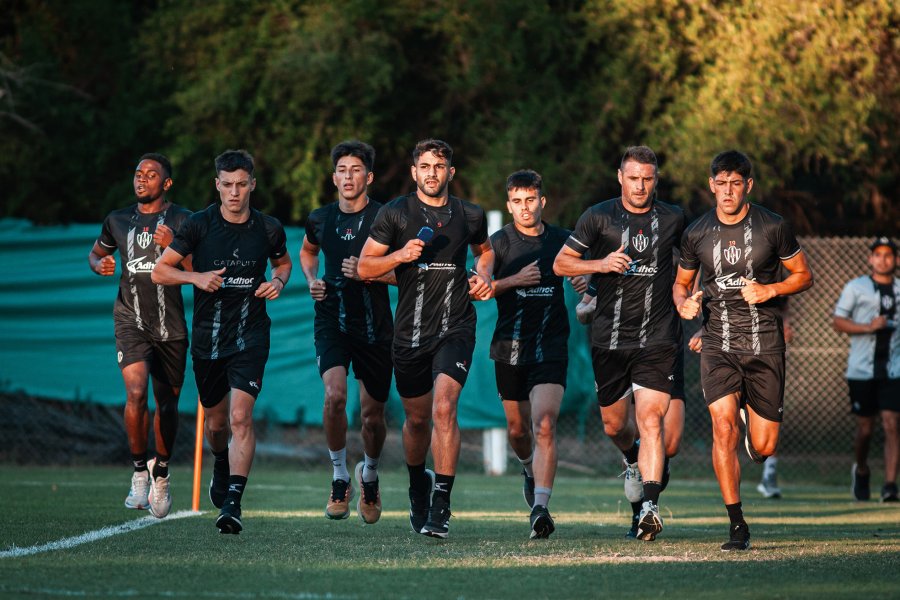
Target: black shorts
(167,360)
(678,373)
(869,396)
(371,362)
(759,378)
(415,369)
(615,371)
(515,382)
(242,371)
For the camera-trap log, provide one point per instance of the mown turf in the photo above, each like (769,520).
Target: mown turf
(814,542)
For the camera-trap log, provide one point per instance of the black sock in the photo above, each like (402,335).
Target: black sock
(236,485)
(139,461)
(636,508)
(651,491)
(443,485)
(220,465)
(161,466)
(631,455)
(735,514)
(665,477)
(418,479)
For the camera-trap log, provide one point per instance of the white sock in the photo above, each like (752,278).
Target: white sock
(370,470)
(542,496)
(527,464)
(769,467)
(339,462)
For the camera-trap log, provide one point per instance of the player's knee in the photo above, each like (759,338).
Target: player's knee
(725,430)
(136,395)
(444,415)
(516,431)
(545,427)
(241,420)
(372,419)
(335,399)
(614,428)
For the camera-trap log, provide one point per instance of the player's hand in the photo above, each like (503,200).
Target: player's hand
(879,322)
(411,251)
(479,288)
(317,289)
(584,312)
(349,268)
(691,306)
(788,333)
(163,235)
(269,289)
(579,283)
(209,281)
(696,341)
(615,262)
(106,266)
(756,293)
(529,275)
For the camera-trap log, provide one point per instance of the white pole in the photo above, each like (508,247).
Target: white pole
(494,439)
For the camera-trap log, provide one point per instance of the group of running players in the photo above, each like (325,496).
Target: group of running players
(624,255)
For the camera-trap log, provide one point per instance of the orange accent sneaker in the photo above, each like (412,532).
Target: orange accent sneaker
(368,507)
(338,506)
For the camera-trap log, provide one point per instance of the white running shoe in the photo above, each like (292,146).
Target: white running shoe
(159,498)
(140,487)
(649,522)
(634,484)
(768,487)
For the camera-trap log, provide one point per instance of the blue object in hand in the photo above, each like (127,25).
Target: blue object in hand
(425,234)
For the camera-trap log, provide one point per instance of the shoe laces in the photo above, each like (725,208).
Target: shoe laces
(140,483)
(370,492)
(440,510)
(339,490)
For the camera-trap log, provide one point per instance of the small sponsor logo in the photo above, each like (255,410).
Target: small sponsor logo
(140,265)
(436,266)
(636,269)
(732,253)
(671,378)
(640,241)
(729,281)
(235,253)
(462,365)
(254,385)
(120,356)
(540,291)
(144,238)
(345,234)
(237,282)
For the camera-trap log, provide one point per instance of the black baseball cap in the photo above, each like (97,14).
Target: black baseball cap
(883,241)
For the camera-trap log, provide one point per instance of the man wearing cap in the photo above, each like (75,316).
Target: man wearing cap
(867,311)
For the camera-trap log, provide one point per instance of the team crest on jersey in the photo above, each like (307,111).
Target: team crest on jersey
(640,241)
(732,253)
(346,234)
(887,303)
(144,238)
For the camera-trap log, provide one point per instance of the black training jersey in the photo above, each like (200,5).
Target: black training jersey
(433,299)
(634,309)
(156,309)
(752,248)
(361,310)
(532,322)
(232,318)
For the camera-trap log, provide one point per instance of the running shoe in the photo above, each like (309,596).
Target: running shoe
(159,498)
(634,484)
(768,487)
(738,538)
(338,506)
(229,519)
(889,492)
(218,488)
(631,534)
(438,524)
(541,523)
(860,484)
(649,522)
(528,489)
(139,492)
(368,507)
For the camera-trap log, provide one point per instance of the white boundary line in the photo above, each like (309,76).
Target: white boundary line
(93,536)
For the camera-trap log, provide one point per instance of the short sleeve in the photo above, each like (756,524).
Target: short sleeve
(847,302)
(477,224)
(689,259)
(312,228)
(277,238)
(585,233)
(787,244)
(500,245)
(187,236)
(106,238)
(384,227)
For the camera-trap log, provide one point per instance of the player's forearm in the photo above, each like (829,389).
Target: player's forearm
(845,325)
(679,294)
(282,272)
(389,278)
(793,284)
(166,274)
(567,265)
(309,265)
(501,286)
(372,267)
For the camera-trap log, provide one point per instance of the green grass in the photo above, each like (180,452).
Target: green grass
(814,542)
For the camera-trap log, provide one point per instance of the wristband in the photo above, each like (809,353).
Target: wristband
(283,284)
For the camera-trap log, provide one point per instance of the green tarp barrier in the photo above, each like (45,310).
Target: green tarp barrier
(56,336)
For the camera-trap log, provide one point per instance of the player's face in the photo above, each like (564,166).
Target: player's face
(638,184)
(234,190)
(351,178)
(525,205)
(432,174)
(150,181)
(883,261)
(731,191)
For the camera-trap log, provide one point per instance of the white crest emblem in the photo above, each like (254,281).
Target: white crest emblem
(143,239)
(732,254)
(640,241)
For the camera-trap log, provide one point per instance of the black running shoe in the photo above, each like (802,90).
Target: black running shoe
(218,488)
(631,534)
(541,523)
(438,524)
(889,492)
(229,520)
(860,484)
(739,538)
(751,451)
(528,489)
(420,504)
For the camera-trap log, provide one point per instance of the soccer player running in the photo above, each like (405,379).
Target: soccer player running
(424,237)
(740,247)
(151,333)
(353,325)
(634,329)
(231,244)
(530,343)
(868,311)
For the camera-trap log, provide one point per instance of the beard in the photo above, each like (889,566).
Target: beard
(435,194)
(147,199)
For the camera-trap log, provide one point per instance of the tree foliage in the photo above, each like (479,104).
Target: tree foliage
(810,89)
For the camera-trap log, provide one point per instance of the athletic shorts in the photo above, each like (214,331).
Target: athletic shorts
(242,371)
(415,369)
(167,360)
(515,382)
(678,382)
(759,378)
(371,362)
(615,371)
(869,396)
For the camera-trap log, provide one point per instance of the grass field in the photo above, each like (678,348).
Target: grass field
(814,542)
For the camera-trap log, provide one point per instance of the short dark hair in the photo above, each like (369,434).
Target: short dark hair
(233,160)
(526,179)
(641,154)
(439,147)
(161,159)
(357,149)
(731,161)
